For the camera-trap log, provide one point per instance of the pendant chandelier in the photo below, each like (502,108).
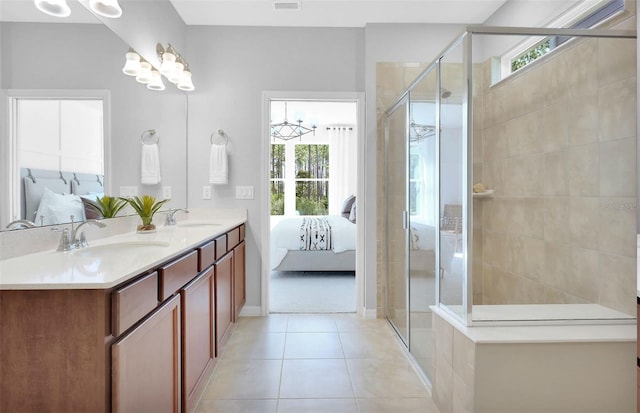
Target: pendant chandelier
(286,130)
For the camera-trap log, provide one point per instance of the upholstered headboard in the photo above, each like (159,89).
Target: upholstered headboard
(34,182)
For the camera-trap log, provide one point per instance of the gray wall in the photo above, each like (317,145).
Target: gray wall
(231,68)
(89,56)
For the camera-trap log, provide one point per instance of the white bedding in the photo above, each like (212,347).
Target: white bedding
(285,236)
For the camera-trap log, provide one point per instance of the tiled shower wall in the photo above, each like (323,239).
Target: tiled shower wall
(557,142)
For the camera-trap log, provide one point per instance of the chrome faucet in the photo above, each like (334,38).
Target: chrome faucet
(171,216)
(77,237)
(21,223)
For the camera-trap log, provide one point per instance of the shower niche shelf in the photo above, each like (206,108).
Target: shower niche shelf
(486,194)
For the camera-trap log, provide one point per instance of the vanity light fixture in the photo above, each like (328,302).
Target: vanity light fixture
(175,67)
(132,65)
(144,75)
(57,8)
(168,59)
(106,8)
(156,81)
(185,81)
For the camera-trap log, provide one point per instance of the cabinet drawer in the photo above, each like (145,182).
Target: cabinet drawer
(131,303)
(233,237)
(242,232)
(176,274)
(221,246)
(206,255)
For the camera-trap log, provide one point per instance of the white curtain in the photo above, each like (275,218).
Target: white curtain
(343,167)
(425,198)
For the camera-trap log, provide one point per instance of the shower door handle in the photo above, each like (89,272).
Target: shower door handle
(405,219)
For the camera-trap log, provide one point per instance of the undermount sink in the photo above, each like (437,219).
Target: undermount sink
(188,224)
(121,247)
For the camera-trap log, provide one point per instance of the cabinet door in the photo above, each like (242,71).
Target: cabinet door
(198,337)
(239,279)
(146,364)
(224,301)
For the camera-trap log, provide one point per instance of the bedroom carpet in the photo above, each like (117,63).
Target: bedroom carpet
(312,292)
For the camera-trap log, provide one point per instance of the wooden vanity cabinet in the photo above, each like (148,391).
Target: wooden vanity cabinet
(146,364)
(239,289)
(224,299)
(198,336)
(147,345)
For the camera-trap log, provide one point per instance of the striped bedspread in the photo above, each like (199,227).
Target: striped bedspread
(315,234)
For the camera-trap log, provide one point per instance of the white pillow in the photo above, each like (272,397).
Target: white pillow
(56,208)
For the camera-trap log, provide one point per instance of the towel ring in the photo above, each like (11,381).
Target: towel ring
(221,133)
(149,134)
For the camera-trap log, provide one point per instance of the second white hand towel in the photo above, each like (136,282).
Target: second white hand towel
(218,169)
(150,165)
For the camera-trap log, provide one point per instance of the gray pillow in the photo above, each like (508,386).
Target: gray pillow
(352,214)
(346,206)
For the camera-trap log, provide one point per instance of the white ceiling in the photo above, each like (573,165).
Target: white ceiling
(334,13)
(326,13)
(312,13)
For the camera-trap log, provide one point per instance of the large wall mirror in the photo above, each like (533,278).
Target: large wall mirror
(80,58)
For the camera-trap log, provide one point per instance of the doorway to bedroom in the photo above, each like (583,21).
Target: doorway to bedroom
(313,183)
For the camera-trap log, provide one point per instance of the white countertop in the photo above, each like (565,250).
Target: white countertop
(80,269)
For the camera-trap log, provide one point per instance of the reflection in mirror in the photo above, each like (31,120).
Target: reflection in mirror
(60,156)
(74,60)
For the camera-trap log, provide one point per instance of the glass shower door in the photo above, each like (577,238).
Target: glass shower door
(423,220)
(452,183)
(397,239)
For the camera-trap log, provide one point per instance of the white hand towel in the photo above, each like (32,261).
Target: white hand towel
(218,170)
(150,165)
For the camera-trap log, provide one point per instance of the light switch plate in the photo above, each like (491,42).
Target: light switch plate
(166,192)
(206,192)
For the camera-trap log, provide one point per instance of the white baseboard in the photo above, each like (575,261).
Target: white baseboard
(251,311)
(370,313)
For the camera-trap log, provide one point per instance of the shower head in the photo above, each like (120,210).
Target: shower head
(444,93)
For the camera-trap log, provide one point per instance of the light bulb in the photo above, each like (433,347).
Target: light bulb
(132,65)
(168,66)
(156,81)
(57,8)
(177,74)
(185,81)
(106,8)
(144,76)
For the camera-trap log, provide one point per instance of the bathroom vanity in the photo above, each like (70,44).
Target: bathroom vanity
(132,323)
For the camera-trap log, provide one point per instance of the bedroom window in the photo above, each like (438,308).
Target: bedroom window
(277,178)
(312,179)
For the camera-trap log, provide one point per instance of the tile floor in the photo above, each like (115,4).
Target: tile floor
(314,363)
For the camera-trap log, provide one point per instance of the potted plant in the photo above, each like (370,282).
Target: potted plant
(145,206)
(107,206)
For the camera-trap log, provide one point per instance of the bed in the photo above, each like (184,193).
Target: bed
(50,197)
(318,243)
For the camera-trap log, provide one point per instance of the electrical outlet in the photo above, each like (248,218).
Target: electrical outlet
(166,192)
(206,192)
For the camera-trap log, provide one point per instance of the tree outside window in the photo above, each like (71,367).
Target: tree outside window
(312,179)
(277,179)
